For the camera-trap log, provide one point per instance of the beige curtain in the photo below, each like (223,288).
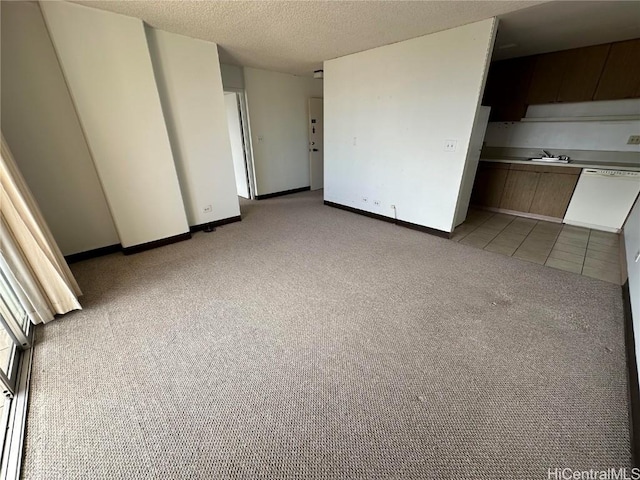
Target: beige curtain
(27,246)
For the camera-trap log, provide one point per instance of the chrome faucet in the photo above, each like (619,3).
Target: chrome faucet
(547,157)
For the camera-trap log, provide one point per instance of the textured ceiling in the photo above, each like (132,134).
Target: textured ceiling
(297,36)
(562,25)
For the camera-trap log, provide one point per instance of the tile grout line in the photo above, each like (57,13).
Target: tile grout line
(569,261)
(470,232)
(586,249)
(555,240)
(499,232)
(524,239)
(465,236)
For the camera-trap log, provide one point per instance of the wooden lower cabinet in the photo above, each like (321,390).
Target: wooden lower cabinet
(489,184)
(519,190)
(534,189)
(553,194)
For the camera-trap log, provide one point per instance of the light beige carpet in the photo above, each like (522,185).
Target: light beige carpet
(311,343)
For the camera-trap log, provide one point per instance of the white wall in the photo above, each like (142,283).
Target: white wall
(188,77)
(232,77)
(388,112)
(600,136)
(631,231)
(471,164)
(278,117)
(42,129)
(106,63)
(237,148)
(573,135)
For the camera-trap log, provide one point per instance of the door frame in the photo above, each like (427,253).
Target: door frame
(241,97)
(309,127)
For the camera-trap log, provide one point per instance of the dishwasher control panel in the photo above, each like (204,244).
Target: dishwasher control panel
(611,173)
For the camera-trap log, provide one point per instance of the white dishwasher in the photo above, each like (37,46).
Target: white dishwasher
(602,199)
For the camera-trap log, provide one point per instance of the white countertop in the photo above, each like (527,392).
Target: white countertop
(577,164)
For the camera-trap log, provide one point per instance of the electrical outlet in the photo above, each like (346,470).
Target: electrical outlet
(450,145)
(376,202)
(207,209)
(260,138)
(364,199)
(633,140)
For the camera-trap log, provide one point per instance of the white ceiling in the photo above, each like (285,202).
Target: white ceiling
(297,36)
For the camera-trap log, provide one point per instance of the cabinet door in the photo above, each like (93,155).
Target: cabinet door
(547,77)
(621,75)
(506,89)
(553,194)
(583,70)
(519,190)
(488,186)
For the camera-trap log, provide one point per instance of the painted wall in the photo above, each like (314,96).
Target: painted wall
(575,135)
(278,116)
(631,231)
(187,72)
(389,112)
(232,77)
(42,129)
(237,148)
(106,63)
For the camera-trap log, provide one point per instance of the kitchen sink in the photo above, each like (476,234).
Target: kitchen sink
(551,159)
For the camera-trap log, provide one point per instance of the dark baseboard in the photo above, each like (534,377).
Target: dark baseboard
(402,223)
(99,252)
(217,223)
(156,243)
(634,390)
(285,192)
(96,252)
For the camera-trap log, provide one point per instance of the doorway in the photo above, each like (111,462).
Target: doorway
(316,143)
(235,105)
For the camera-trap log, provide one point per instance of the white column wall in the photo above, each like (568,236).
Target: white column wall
(188,77)
(106,63)
(388,114)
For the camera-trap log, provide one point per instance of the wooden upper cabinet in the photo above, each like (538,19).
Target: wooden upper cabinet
(547,77)
(601,72)
(583,69)
(621,74)
(506,89)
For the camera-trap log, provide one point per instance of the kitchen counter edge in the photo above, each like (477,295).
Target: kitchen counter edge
(578,164)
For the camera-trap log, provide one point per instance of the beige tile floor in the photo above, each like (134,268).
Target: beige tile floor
(579,250)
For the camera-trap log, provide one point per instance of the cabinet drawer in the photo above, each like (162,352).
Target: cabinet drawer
(504,166)
(527,168)
(565,170)
(546,168)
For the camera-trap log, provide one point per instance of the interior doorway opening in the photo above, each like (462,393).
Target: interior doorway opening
(238,125)
(316,143)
